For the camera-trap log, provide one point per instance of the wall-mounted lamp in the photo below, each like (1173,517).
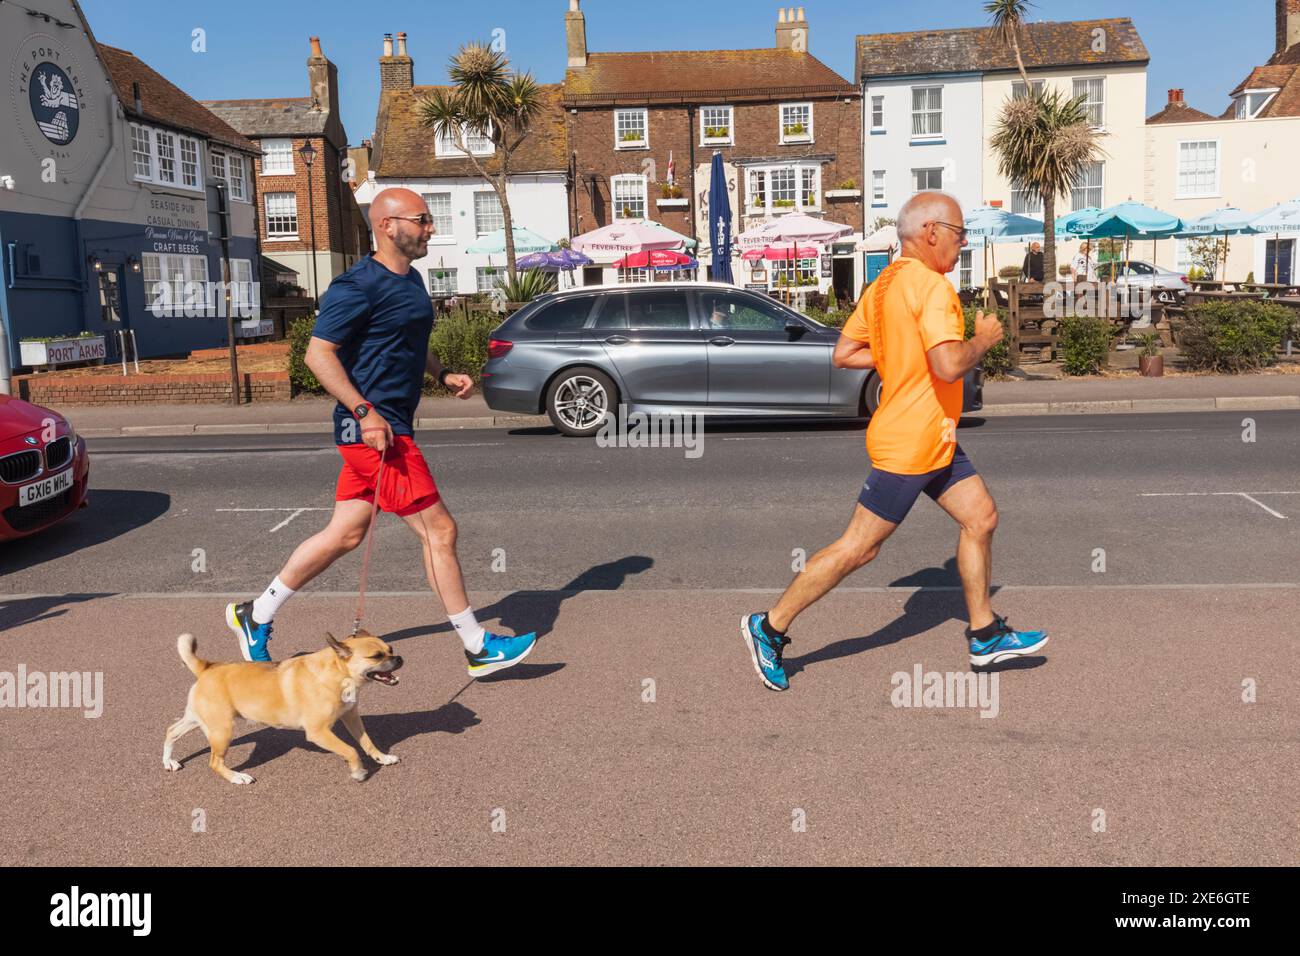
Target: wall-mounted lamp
(133,263)
(96,263)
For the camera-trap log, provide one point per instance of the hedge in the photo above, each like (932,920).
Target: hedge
(997,360)
(1235,336)
(1084,344)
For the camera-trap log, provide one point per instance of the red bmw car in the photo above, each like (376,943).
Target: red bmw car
(44,469)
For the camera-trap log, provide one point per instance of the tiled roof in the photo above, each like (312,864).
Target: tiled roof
(1284,76)
(1180,113)
(686,75)
(286,116)
(977,49)
(163,102)
(405,149)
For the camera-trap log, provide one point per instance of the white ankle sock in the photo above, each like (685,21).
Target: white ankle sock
(272,598)
(470,631)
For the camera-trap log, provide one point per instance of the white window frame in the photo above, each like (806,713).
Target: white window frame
(245,303)
(1018,88)
(619,129)
(1075,204)
(194,181)
(1182,193)
(479,143)
(1183,253)
(277,156)
(155,145)
(266,211)
(927,112)
(707,140)
(638,184)
(633,276)
(444,286)
(878,188)
(222,169)
(877,100)
(794,269)
(1243,101)
(965,269)
(804,137)
(916,186)
(1021,205)
(481,274)
(492,193)
(441,236)
(767,172)
(175,270)
(1088,104)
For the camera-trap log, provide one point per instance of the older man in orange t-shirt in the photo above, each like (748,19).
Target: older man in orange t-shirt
(908,326)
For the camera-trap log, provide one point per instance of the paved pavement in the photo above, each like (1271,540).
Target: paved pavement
(635,565)
(1014,397)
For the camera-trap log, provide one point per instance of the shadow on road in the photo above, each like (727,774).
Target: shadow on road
(386,730)
(15,613)
(523,611)
(923,610)
(111,513)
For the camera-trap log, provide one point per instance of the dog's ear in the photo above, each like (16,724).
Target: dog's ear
(342,650)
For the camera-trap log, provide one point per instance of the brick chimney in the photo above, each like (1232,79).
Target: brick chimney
(1288,24)
(575,33)
(1175,97)
(792,29)
(396,72)
(324,79)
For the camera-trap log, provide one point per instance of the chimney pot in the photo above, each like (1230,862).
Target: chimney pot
(801,13)
(780,15)
(315,47)
(401,44)
(388,44)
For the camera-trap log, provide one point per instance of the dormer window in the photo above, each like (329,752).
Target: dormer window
(1250,102)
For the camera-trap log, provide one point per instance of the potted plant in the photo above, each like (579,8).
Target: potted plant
(631,136)
(716,132)
(670,191)
(795,129)
(1150,362)
(782,203)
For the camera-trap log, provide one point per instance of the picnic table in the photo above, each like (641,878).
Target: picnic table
(1210,285)
(1272,289)
(1194,297)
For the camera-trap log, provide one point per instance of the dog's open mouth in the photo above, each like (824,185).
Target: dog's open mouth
(383,677)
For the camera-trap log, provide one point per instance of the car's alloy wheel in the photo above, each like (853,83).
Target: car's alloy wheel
(578,403)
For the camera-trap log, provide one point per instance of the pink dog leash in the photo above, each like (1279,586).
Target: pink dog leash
(370,538)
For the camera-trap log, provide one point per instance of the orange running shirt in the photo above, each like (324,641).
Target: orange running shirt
(907,311)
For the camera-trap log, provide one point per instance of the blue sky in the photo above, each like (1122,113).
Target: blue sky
(258,48)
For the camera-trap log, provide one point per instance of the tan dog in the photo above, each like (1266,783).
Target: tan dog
(307,693)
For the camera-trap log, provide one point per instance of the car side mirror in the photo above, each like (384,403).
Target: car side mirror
(794,328)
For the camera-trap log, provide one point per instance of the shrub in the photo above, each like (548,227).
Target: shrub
(1084,344)
(997,360)
(461,344)
(834,318)
(1234,336)
(1009,272)
(301,378)
(527,285)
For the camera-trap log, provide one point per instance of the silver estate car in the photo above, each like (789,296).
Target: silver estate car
(673,347)
(1165,285)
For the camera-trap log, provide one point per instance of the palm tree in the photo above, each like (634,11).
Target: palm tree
(1008,17)
(1043,142)
(488,98)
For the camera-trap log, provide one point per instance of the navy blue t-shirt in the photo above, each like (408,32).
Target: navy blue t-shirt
(381,322)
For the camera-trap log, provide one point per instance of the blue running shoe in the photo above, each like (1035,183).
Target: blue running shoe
(1005,644)
(252,636)
(499,652)
(765,652)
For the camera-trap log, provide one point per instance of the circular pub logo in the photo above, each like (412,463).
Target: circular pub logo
(54,104)
(49,102)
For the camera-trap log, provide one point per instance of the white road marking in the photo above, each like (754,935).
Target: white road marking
(1248,495)
(296,512)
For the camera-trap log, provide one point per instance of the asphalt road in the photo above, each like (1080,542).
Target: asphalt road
(635,565)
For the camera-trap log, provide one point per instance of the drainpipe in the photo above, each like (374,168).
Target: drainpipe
(690,139)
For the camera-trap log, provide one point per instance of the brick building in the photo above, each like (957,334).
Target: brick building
(293,194)
(788,127)
(464,206)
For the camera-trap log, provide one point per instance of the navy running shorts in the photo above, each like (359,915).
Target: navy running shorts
(891,496)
